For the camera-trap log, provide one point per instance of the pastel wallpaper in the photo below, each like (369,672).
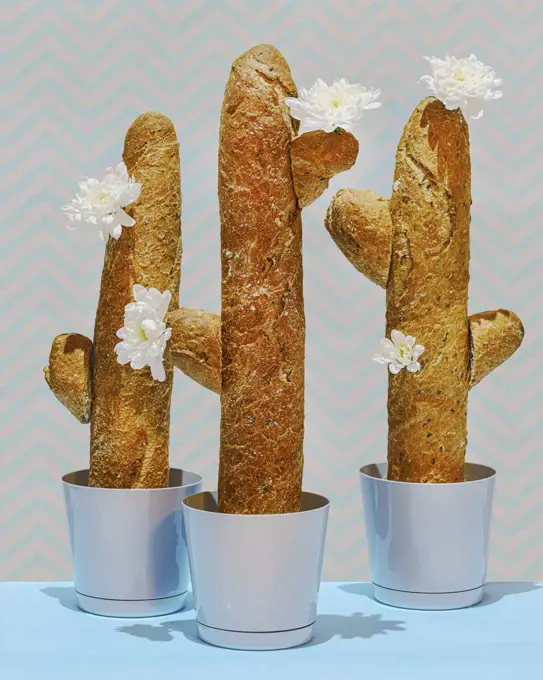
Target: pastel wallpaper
(76,73)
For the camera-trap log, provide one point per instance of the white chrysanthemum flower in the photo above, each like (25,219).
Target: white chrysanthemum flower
(101,202)
(400,352)
(144,335)
(327,107)
(463,83)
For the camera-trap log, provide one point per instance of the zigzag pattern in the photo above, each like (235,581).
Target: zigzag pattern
(77,74)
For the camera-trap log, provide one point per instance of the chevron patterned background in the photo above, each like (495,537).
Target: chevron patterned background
(76,73)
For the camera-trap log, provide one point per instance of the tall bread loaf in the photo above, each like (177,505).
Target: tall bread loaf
(262,321)
(416,245)
(427,296)
(130,410)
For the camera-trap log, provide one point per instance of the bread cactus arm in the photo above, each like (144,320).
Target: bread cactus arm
(359,222)
(195,346)
(69,373)
(316,157)
(494,336)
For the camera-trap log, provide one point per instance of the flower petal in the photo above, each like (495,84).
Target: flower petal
(413,367)
(417,351)
(139,292)
(388,345)
(157,370)
(398,338)
(123,355)
(124,218)
(139,360)
(394,367)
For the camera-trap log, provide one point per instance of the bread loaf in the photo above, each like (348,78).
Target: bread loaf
(262,321)
(131,411)
(417,245)
(427,296)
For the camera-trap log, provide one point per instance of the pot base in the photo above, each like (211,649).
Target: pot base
(432,601)
(256,641)
(132,609)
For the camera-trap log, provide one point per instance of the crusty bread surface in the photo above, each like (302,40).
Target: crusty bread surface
(69,373)
(131,411)
(316,157)
(427,296)
(262,320)
(195,345)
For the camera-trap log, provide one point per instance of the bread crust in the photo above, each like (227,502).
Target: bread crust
(359,222)
(69,373)
(494,337)
(262,320)
(195,346)
(316,157)
(131,411)
(427,296)
(417,246)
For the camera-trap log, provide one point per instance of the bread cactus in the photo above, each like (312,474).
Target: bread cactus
(266,175)
(416,245)
(129,411)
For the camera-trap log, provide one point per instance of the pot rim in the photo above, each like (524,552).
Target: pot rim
(487,473)
(322,501)
(79,479)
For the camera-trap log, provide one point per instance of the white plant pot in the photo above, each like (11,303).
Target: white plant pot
(255,578)
(128,545)
(428,542)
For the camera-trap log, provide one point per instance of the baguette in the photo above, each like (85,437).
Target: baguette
(131,411)
(417,246)
(262,321)
(427,296)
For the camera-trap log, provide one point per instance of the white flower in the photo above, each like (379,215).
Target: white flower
(101,202)
(400,352)
(327,107)
(463,83)
(144,335)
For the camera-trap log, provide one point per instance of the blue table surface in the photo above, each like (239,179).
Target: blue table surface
(44,635)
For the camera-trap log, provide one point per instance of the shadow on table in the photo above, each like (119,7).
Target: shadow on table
(364,589)
(328,626)
(493,592)
(164,631)
(355,626)
(64,594)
